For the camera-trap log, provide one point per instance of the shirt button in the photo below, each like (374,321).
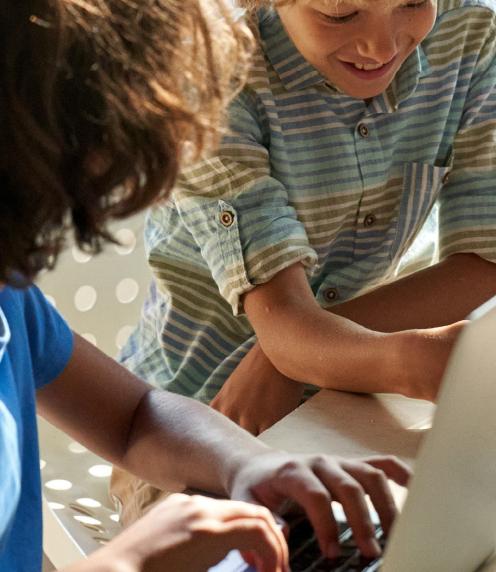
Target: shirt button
(363,130)
(369,220)
(445,178)
(226,218)
(331,294)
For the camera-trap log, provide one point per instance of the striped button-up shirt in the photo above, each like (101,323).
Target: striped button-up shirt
(311,175)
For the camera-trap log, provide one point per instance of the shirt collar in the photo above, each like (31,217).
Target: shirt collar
(406,80)
(4,334)
(292,68)
(296,73)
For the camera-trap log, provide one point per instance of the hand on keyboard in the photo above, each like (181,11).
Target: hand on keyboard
(313,481)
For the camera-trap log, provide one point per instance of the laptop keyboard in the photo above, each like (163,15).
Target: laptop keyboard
(305,554)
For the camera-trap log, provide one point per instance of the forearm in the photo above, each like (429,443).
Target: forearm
(310,345)
(380,343)
(177,442)
(169,440)
(101,563)
(439,295)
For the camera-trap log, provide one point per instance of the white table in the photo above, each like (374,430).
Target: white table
(351,425)
(356,425)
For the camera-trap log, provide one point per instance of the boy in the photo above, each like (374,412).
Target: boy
(275,262)
(95,113)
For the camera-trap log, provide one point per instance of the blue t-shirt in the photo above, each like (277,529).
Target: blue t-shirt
(35,346)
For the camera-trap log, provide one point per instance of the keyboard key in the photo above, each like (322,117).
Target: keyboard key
(344,564)
(374,566)
(334,565)
(305,555)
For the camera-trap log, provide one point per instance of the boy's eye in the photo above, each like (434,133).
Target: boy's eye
(338,19)
(418,4)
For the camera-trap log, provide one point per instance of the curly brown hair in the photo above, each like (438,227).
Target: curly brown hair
(101,102)
(252,5)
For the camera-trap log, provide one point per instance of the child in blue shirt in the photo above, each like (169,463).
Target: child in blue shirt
(94,121)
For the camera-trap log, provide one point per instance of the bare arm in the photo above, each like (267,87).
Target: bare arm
(123,419)
(330,349)
(174,441)
(305,342)
(439,295)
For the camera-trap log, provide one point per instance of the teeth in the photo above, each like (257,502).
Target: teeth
(368,67)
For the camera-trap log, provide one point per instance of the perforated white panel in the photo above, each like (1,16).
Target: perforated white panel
(101,298)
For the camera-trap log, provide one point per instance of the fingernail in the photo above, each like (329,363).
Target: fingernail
(333,550)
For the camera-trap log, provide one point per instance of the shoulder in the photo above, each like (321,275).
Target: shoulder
(13,302)
(27,305)
(37,329)
(447,5)
(463,35)
(29,314)
(467,9)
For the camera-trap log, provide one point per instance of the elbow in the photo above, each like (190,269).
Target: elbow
(292,366)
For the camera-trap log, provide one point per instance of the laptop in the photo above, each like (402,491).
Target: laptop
(448,522)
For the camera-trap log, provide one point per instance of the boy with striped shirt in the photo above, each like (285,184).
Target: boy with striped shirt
(276,259)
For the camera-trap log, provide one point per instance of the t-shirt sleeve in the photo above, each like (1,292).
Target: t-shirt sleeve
(239,213)
(50,338)
(467,213)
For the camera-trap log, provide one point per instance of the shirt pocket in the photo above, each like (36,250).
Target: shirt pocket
(422,184)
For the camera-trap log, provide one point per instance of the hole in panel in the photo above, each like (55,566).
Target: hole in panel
(85,298)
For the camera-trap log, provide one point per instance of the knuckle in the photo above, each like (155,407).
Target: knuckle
(264,512)
(376,475)
(205,527)
(256,527)
(391,459)
(386,460)
(259,525)
(289,467)
(197,508)
(320,461)
(350,487)
(172,499)
(260,513)
(318,495)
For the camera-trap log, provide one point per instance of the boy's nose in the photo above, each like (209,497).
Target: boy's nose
(378,44)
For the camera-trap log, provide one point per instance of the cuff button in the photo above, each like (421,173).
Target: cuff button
(226,218)
(331,294)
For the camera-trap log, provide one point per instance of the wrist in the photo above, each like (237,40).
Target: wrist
(377,363)
(359,361)
(107,559)
(393,364)
(404,356)
(238,462)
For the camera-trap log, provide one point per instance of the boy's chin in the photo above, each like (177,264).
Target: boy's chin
(363,92)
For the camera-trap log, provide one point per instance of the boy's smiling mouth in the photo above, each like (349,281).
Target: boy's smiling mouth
(368,67)
(369,70)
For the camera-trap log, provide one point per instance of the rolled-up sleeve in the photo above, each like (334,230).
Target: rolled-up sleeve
(238,212)
(468,199)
